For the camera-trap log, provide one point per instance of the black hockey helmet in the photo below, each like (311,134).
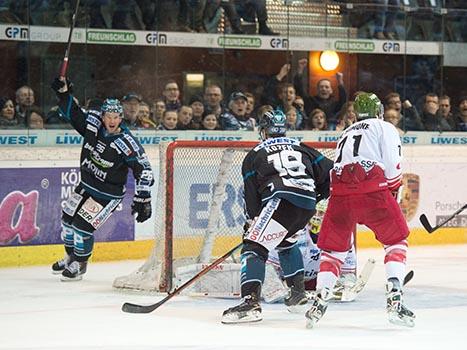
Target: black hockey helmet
(272,124)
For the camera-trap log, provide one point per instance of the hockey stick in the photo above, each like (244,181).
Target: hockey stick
(408,277)
(64,66)
(430,229)
(145,309)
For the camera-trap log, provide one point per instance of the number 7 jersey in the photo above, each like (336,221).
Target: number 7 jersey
(284,168)
(370,143)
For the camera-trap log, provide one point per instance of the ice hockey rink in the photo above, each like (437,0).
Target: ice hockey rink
(37,311)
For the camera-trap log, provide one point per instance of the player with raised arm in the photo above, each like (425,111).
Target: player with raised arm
(109,150)
(283,179)
(364,183)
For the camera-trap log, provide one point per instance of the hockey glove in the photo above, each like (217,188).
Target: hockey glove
(62,87)
(141,207)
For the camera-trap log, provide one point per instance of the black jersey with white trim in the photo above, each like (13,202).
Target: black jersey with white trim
(106,158)
(284,168)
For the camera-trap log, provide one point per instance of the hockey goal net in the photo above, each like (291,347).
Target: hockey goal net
(199,215)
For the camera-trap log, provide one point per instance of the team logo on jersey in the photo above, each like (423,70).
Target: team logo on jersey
(122,145)
(132,142)
(410,195)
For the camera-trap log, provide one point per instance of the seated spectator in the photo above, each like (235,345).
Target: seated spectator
(325,99)
(317,120)
(8,118)
(213,100)
(130,103)
(158,109)
(250,105)
(461,117)
(55,121)
(171,95)
(169,121)
(144,117)
(432,120)
(209,122)
(410,119)
(24,101)
(445,111)
(252,9)
(185,118)
(346,116)
(287,95)
(392,116)
(300,105)
(385,19)
(197,106)
(34,118)
(274,87)
(213,14)
(235,118)
(291,118)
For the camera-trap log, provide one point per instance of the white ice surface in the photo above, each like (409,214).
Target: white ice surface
(37,311)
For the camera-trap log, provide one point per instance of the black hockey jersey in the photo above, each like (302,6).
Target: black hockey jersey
(284,168)
(106,158)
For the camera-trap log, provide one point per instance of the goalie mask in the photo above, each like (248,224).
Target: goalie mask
(272,124)
(367,105)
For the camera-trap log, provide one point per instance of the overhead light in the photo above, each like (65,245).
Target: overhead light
(329,60)
(195,79)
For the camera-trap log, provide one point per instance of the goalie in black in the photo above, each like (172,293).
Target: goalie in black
(109,150)
(283,180)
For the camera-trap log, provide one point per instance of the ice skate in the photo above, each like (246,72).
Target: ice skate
(397,313)
(296,300)
(60,265)
(319,304)
(248,311)
(74,271)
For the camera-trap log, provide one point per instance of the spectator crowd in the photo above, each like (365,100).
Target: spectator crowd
(327,110)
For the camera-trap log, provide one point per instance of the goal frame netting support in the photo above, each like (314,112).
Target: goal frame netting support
(160,264)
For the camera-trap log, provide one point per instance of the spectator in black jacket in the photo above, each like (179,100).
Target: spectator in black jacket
(409,118)
(432,120)
(325,99)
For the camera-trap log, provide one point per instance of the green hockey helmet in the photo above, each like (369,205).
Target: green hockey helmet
(367,105)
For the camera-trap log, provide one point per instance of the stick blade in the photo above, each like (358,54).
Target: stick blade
(408,277)
(424,220)
(137,309)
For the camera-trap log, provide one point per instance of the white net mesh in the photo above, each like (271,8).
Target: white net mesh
(199,216)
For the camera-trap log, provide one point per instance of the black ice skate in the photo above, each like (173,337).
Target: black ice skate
(248,311)
(397,313)
(74,271)
(60,265)
(319,305)
(296,300)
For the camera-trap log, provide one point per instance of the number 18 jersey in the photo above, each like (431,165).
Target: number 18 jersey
(284,168)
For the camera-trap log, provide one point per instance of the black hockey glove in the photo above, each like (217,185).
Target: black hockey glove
(142,207)
(62,87)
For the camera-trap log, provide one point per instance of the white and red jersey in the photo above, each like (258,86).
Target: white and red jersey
(370,143)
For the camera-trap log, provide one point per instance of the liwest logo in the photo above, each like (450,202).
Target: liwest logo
(390,46)
(111,37)
(279,43)
(25,226)
(156,38)
(17,33)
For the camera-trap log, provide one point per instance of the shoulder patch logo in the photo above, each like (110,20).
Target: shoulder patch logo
(122,146)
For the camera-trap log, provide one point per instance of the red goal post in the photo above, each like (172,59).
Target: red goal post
(199,213)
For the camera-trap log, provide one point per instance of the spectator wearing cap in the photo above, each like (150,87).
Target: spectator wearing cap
(130,104)
(461,117)
(235,117)
(197,106)
(7,114)
(171,95)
